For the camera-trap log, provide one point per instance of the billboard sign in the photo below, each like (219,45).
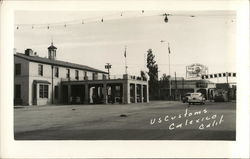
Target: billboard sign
(196,70)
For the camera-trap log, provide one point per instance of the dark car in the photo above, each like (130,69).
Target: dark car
(185,97)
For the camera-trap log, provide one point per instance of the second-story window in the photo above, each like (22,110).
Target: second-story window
(94,74)
(18,69)
(76,74)
(68,73)
(40,70)
(85,75)
(56,72)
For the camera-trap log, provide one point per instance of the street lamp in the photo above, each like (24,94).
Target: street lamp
(108,66)
(162,41)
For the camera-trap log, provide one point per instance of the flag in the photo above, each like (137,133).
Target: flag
(168,49)
(125,53)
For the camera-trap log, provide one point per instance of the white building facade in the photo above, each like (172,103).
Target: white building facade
(37,80)
(45,81)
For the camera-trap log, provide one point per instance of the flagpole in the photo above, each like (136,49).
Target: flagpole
(125,55)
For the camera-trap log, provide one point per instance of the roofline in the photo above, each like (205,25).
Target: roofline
(59,64)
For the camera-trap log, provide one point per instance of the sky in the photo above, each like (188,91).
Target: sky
(208,38)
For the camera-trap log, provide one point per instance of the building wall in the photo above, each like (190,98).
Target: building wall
(183,86)
(29,73)
(33,75)
(22,79)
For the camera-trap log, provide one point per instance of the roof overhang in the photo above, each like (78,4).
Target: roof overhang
(41,81)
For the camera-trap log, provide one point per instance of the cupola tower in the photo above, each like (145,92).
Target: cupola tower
(52,52)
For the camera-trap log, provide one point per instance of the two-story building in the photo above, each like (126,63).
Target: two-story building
(42,81)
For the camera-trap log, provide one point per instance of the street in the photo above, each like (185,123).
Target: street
(157,120)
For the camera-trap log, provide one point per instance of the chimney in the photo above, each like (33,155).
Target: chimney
(29,52)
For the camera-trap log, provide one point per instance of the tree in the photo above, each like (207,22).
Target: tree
(164,77)
(143,75)
(153,74)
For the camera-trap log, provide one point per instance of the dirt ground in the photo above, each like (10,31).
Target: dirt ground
(157,120)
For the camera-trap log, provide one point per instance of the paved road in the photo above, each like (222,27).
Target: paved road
(157,120)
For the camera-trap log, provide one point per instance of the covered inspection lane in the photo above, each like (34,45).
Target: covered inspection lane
(125,91)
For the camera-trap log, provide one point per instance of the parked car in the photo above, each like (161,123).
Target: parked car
(196,98)
(185,97)
(220,95)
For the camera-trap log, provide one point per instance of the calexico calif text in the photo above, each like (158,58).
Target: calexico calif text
(201,119)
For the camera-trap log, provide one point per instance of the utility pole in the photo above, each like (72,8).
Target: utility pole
(108,66)
(182,93)
(228,87)
(175,85)
(227,77)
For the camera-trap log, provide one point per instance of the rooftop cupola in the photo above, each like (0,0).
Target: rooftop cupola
(52,51)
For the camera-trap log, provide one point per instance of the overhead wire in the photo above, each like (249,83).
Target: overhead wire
(101,19)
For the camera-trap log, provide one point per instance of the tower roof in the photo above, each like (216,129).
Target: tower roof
(52,47)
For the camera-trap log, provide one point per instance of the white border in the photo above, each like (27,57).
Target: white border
(73,149)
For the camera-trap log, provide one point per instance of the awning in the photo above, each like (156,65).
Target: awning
(41,81)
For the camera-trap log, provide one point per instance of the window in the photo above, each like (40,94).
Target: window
(77,74)
(43,91)
(68,73)
(104,76)
(56,92)
(17,91)
(56,72)
(18,69)
(201,85)
(85,76)
(40,70)
(94,76)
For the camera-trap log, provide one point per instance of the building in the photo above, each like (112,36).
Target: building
(42,81)
(180,86)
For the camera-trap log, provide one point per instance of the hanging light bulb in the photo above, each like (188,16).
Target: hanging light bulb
(166,17)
